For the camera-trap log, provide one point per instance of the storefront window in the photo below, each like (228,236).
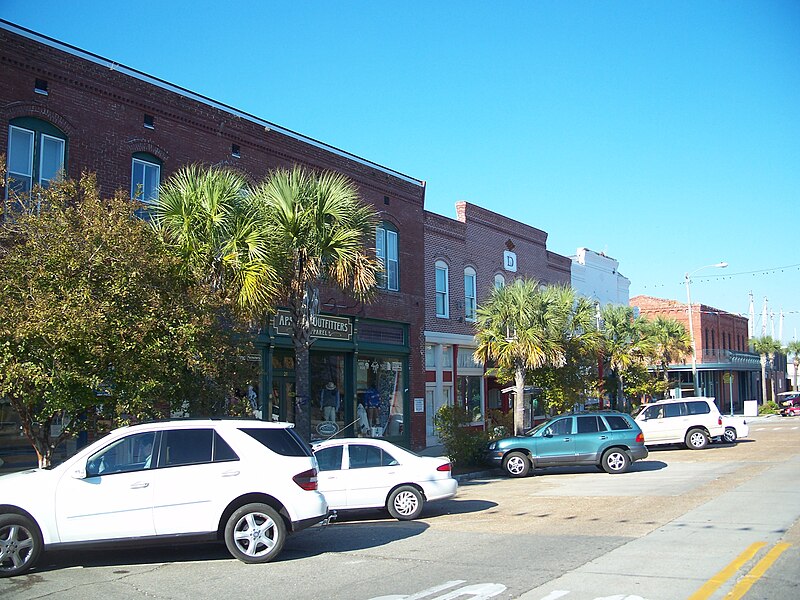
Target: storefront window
(327,394)
(468,395)
(380,387)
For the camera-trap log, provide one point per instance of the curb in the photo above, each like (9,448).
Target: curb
(475,475)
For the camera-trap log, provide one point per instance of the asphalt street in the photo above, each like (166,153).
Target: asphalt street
(681,524)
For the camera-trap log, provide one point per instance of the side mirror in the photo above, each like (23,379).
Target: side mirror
(79,472)
(547,433)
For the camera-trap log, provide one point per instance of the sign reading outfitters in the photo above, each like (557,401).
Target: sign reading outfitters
(322,326)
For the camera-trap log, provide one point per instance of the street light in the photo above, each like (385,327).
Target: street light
(719,265)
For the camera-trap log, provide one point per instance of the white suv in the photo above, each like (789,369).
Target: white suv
(691,421)
(247,482)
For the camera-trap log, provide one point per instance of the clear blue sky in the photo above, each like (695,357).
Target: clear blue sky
(666,134)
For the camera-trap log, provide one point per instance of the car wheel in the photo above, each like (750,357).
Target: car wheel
(20,544)
(730,435)
(405,503)
(696,439)
(616,460)
(255,533)
(517,464)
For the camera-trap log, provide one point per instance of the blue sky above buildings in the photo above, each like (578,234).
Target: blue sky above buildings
(666,134)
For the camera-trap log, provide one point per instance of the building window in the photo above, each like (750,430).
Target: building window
(499,281)
(469,395)
(145,178)
(36,152)
(442,290)
(470,302)
(386,251)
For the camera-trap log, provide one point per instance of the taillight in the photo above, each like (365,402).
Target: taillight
(640,438)
(447,467)
(307,480)
(719,420)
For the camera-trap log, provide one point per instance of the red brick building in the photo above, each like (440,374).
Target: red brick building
(726,369)
(64,108)
(465,259)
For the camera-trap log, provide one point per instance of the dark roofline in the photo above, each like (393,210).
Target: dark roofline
(142,76)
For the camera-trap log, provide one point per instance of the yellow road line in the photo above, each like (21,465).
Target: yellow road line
(717,580)
(741,588)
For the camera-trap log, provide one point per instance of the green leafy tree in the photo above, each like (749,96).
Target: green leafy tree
(323,235)
(625,346)
(669,341)
(206,217)
(96,321)
(765,347)
(793,348)
(523,327)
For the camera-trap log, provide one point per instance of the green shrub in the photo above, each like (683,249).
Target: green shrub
(769,408)
(464,445)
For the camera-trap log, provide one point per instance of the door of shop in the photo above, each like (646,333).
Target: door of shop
(283,399)
(432,407)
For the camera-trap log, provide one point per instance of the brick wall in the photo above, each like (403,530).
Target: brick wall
(477,239)
(714,329)
(100,107)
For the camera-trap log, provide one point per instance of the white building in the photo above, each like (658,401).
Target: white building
(595,275)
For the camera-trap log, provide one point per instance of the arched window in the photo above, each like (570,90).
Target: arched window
(442,290)
(145,177)
(36,154)
(470,302)
(499,281)
(386,251)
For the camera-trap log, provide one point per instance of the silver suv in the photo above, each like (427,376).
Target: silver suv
(245,482)
(692,421)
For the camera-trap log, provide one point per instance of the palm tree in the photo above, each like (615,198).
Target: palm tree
(765,347)
(205,216)
(624,347)
(522,327)
(322,234)
(793,348)
(670,341)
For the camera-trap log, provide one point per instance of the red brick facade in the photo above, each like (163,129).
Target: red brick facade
(481,240)
(714,329)
(102,107)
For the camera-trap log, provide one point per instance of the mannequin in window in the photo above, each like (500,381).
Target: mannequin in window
(372,402)
(329,400)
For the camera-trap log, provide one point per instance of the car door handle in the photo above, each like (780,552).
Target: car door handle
(567,439)
(230,473)
(139,485)
(603,437)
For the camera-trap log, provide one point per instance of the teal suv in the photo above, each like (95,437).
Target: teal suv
(609,440)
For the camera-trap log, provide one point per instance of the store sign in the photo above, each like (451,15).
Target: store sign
(322,326)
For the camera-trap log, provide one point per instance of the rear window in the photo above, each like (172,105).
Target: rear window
(617,422)
(193,446)
(698,408)
(676,409)
(281,441)
(591,424)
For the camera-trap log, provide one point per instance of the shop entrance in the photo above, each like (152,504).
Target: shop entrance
(283,394)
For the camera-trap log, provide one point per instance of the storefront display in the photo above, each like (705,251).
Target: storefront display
(380,387)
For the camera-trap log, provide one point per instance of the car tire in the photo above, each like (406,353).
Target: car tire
(21,543)
(517,464)
(255,533)
(405,503)
(729,436)
(616,460)
(696,439)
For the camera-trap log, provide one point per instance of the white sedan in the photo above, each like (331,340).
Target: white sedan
(360,473)
(735,428)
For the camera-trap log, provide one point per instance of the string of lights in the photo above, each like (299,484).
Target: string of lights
(772,271)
